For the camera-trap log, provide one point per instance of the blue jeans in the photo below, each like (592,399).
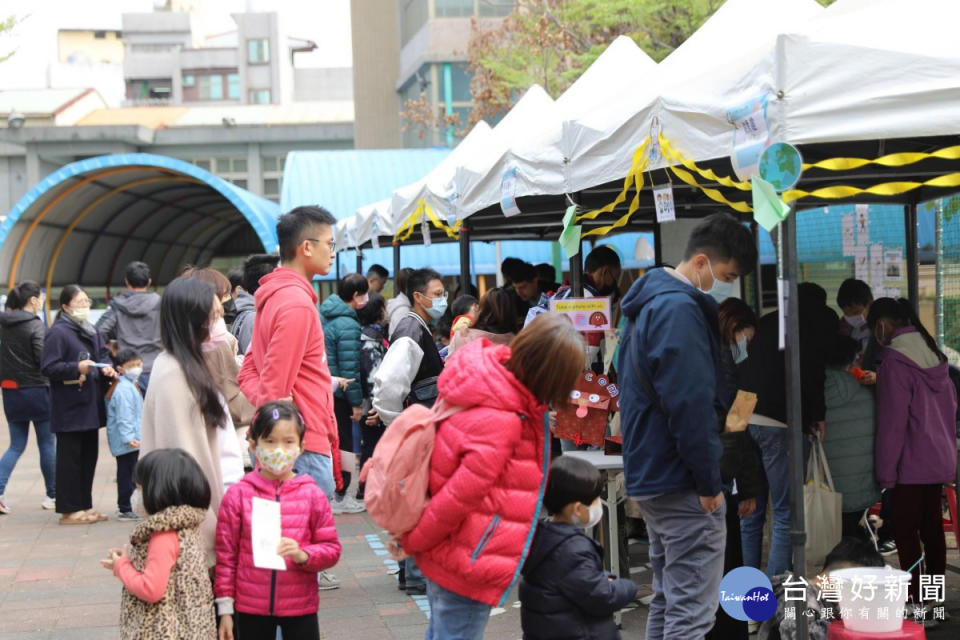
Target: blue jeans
(686,552)
(46,442)
(774,451)
(143,382)
(412,576)
(454,617)
(320,468)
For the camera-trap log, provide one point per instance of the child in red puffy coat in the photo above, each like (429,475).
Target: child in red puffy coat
(257,600)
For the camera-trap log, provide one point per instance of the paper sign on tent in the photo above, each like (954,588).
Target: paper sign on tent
(663,198)
(265,533)
(750,138)
(587,314)
(508,191)
(570,236)
(768,209)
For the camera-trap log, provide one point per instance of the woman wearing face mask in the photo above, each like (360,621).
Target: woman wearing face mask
(341,335)
(220,352)
(184,407)
(916,435)
(26,391)
(75,360)
(488,471)
(741,458)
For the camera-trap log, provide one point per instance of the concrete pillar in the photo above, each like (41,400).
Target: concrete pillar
(254,169)
(33,166)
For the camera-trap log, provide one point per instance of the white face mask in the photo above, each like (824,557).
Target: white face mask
(856,322)
(80,315)
(133,374)
(596,514)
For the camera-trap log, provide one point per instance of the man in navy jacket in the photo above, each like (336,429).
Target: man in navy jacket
(671,410)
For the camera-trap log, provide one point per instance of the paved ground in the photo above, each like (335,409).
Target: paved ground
(52,585)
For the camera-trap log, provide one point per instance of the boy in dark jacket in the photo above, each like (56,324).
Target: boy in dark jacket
(565,594)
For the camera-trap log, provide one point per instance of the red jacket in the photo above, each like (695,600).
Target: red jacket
(487,477)
(305,516)
(287,356)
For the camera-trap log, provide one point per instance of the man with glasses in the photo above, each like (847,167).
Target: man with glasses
(287,358)
(409,371)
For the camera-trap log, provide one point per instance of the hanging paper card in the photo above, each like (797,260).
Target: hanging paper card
(750,137)
(570,236)
(861,266)
(876,266)
(508,190)
(768,209)
(846,224)
(663,197)
(863,224)
(587,314)
(265,534)
(893,261)
(425,230)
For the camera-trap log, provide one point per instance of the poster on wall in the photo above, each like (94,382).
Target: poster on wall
(876,267)
(846,223)
(860,264)
(893,264)
(863,224)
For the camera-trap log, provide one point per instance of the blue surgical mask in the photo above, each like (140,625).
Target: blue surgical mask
(720,290)
(438,306)
(739,350)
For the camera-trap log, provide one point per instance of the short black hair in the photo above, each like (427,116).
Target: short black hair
(170,478)
(294,226)
(235,276)
(854,551)
(843,352)
(524,272)
(571,480)
(602,256)
(137,274)
(272,412)
(853,291)
(509,266)
(546,272)
(379,271)
(723,238)
(126,355)
(255,267)
(351,284)
(419,280)
(373,312)
(462,304)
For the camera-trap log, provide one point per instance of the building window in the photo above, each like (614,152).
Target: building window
(459,83)
(100,35)
(189,80)
(272,168)
(232,169)
(494,8)
(210,87)
(260,96)
(233,86)
(454,8)
(258,51)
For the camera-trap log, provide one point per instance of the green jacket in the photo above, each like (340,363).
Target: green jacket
(341,333)
(849,443)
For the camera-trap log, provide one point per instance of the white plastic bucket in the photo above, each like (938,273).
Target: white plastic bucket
(865,613)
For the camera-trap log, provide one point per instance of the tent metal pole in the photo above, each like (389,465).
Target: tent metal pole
(396,269)
(464,260)
(576,271)
(657,245)
(798,536)
(913,266)
(758,273)
(359,261)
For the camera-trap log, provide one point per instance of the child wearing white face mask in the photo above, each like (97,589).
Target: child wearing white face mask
(565,593)
(253,601)
(124,412)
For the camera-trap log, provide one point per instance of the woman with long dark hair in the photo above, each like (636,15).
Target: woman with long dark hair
(26,391)
(184,408)
(75,360)
(497,321)
(916,447)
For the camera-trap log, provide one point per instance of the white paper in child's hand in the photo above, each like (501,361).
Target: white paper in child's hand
(265,535)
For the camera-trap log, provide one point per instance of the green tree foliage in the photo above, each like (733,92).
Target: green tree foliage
(6,26)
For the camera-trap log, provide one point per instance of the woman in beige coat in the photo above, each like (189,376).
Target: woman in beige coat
(184,408)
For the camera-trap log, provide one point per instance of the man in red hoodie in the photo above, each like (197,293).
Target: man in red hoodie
(287,357)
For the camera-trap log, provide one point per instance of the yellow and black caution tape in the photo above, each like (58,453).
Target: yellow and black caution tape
(889,160)
(838,192)
(423,209)
(634,176)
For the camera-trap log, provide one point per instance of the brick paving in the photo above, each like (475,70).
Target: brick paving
(53,587)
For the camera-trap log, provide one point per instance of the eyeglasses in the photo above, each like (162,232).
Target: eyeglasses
(440,297)
(332,244)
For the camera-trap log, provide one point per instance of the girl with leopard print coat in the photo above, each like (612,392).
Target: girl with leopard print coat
(167,590)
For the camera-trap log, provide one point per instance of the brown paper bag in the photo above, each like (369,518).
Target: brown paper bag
(740,412)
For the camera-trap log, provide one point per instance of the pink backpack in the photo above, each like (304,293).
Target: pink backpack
(398,475)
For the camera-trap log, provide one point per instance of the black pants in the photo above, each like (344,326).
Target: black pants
(726,628)
(851,525)
(369,437)
(76,463)
(125,485)
(917,520)
(343,412)
(251,627)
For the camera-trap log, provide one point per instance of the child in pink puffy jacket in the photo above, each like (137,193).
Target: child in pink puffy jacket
(257,600)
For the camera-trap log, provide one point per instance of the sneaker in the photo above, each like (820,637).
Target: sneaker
(129,516)
(49,504)
(416,589)
(326,581)
(887,548)
(346,504)
(3,506)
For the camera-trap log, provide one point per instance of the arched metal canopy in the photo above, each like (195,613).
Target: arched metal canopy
(85,221)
